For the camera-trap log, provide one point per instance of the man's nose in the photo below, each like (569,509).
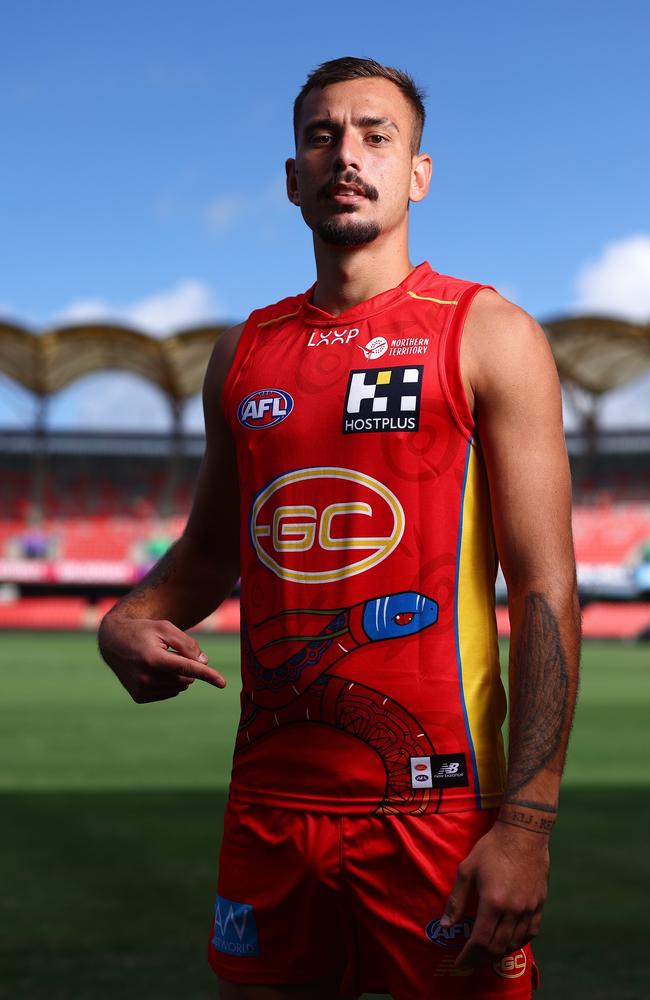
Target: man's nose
(349,154)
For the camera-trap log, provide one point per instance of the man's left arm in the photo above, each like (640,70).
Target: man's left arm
(513,387)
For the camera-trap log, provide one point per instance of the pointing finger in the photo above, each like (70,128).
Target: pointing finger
(180,641)
(191,668)
(455,905)
(477,948)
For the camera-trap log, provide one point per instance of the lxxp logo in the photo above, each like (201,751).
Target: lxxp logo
(383,399)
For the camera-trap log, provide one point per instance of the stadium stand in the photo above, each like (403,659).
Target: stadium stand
(85,514)
(610,533)
(90,515)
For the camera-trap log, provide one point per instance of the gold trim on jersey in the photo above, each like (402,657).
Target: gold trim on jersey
(267,322)
(429,298)
(483,693)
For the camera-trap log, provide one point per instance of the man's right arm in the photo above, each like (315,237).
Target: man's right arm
(143,637)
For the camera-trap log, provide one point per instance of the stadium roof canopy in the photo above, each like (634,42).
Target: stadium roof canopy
(599,353)
(45,363)
(595,352)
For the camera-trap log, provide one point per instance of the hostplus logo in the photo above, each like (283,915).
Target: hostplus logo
(383,400)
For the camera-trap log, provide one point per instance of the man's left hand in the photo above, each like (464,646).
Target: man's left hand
(508,869)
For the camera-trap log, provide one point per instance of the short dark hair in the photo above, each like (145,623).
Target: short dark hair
(352,68)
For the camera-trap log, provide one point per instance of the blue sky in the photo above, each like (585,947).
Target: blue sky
(141,174)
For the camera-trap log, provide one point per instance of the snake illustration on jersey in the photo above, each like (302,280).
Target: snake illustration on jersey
(286,679)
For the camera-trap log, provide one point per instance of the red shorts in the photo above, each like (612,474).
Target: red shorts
(305,896)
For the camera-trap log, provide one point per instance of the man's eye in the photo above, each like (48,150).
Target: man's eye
(376,139)
(321,139)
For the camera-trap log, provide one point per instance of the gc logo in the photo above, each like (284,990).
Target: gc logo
(321,524)
(511,966)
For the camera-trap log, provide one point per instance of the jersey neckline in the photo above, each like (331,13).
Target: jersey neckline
(313,316)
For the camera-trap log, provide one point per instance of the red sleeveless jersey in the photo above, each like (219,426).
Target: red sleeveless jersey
(370,670)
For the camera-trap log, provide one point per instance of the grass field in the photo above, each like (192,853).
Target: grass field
(111,812)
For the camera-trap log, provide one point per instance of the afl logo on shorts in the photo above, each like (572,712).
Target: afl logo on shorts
(511,966)
(449,937)
(321,524)
(264,408)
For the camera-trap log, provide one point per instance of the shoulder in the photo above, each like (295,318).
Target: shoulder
(221,359)
(225,347)
(286,308)
(502,344)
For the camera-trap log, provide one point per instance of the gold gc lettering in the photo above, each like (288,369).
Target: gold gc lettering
(279,529)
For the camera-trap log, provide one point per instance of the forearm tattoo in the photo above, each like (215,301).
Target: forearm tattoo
(526,820)
(538,700)
(158,576)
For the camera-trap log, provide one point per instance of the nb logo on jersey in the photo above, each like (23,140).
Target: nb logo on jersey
(321,524)
(439,771)
(447,770)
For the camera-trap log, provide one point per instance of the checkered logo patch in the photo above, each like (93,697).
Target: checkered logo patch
(383,399)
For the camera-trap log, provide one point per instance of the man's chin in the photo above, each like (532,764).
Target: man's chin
(347,234)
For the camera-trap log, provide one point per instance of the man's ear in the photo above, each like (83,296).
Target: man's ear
(420,176)
(292,181)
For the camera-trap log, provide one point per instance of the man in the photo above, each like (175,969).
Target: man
(370,445)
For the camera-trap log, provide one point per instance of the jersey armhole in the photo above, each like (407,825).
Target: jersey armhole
(451,378)
(241,352)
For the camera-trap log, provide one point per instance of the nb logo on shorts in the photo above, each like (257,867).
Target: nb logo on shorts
(235,932)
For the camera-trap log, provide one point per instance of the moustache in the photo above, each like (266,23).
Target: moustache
(368,190)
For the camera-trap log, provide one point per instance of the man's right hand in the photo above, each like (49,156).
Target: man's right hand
(154,660)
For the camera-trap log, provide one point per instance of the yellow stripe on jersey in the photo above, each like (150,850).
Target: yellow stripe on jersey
(268,322)
(428,298)
(478,650)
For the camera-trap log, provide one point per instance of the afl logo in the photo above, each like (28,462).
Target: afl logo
(264,408)
(450,937)
(321,524)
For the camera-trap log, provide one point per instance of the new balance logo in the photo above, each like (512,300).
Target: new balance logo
(447,770)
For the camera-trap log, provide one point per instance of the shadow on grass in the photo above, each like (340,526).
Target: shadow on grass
(111,894)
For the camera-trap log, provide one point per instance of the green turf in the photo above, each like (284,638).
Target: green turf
(111,816)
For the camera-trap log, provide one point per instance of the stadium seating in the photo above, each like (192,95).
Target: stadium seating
(603,534)
(74,613)
(99,520)
(602,620)
(44,613)
(610,534)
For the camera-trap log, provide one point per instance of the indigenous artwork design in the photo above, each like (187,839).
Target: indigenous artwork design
(287,670)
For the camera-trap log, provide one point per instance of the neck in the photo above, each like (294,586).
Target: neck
(346,277)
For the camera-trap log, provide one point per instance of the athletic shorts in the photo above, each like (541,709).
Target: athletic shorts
(305,896)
